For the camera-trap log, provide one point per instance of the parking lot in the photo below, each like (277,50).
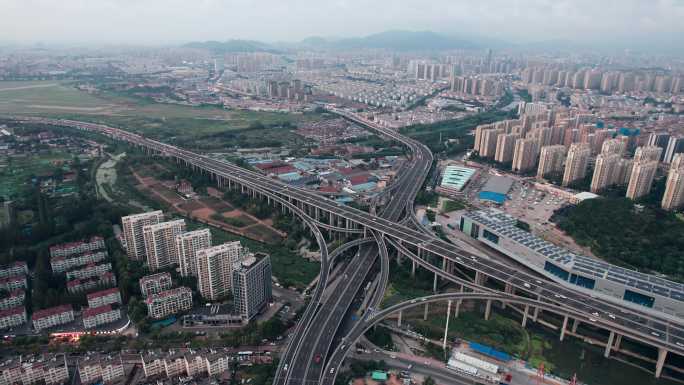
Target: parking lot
(532,206)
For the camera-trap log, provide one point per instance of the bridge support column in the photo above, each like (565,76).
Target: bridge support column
(525,312)
(458,307)
(480,278)
(488,309)
(399,319)
(575,324)
(508,289)
(662,355)
(425,313)
(434,284)
(535,315)
(413,269)
(609,344)
(446,327)
(565,325)
(618,341)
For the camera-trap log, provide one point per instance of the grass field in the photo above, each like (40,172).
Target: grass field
(197,127)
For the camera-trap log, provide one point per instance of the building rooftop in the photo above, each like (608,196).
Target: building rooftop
(498,184)
(102,293)
(504,225)
(456,177)
(51,311)
(94,311)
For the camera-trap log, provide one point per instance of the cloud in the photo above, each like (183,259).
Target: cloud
(165,21)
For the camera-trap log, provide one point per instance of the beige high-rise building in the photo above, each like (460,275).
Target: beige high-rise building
(623,171)
(132,226)
(160,243)
(576,163)
(550,160)
(604,171)
(505,144)
(674,188)
(524,154)
(215,267)
(613,146)
(187,245)
(641,178)
(647,153)
(489,140)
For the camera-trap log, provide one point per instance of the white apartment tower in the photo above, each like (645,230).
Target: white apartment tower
(187,245)
(160,243)
(215,268)
(133,234)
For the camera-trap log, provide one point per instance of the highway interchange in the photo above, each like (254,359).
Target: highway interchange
(648,328)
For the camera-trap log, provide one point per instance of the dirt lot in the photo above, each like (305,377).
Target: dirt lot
(204,208)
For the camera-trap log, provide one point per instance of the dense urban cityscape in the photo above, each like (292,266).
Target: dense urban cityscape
(397,207)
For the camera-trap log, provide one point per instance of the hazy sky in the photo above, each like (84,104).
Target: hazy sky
(171,21)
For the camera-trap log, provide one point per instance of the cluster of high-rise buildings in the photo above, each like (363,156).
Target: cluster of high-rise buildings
(562,144)
(220,269)
(478,85)
(605,81)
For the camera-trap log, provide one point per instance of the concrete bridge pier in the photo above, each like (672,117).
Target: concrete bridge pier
(563,328)
(575,324)
(480,278)
(609,344)
(525,313)
(425,313)
(446,327)
(488,310)
(399,319)
(662,355)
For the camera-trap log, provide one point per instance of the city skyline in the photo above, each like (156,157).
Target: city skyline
(628,24)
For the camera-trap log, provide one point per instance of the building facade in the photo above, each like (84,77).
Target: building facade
(187,245)
(252,285)
(169,302)
(641,179)
(132,226)
(673,198)
(160,243)
(215,268)
(54,316)
(576,163)
(155,283)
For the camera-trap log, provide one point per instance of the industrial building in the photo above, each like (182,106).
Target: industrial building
(496,189)
(622,286)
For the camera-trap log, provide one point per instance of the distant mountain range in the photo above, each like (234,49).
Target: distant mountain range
(234,45)
(390,40)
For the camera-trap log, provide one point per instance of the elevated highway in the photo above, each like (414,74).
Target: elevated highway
(651,329)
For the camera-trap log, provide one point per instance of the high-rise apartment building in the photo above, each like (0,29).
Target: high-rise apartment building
(623,172)
(576,163)
(647,153)
(613,146)
(524,154)
(187,245)
(674,188)
(505,144)
(550,160)
(215,268)
(641,178)
(155,283)
(489,140)
(160,243)
(675,145)
(132,226)
(604,171)
(252,285)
